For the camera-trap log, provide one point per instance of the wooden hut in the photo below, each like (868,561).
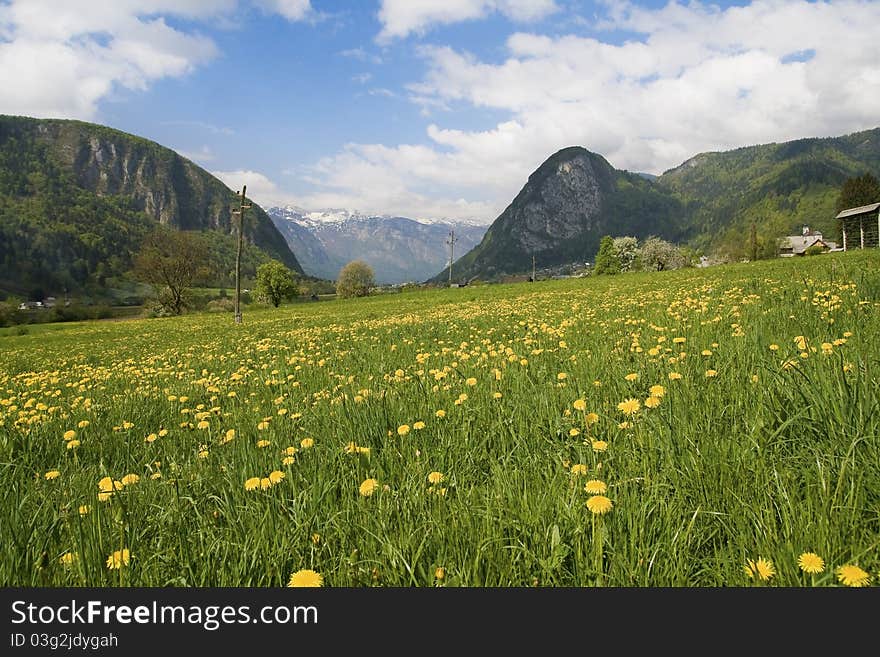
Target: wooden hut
(860,226)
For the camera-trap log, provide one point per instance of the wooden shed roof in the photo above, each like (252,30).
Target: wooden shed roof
(864,209)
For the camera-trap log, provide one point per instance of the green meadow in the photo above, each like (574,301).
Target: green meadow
(702,427)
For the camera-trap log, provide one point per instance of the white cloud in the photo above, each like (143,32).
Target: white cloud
(698,79)
(259,187)
(60,58)
(400,18)
(293,10)
(204,154)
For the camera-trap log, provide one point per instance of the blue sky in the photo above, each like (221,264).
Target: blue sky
(440,108)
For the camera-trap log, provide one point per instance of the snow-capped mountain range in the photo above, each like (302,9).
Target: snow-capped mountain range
(398,249)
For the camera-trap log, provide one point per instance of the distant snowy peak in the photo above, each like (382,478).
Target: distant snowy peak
(318,218)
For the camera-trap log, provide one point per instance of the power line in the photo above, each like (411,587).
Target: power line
(242,206)
(451,242)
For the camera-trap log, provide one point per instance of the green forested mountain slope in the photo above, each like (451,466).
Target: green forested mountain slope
(76,199)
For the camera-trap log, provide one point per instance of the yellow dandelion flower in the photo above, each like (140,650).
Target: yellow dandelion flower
(156,475)
(599,445)
(632,376)
(307,443)
(288,460)
(52,474)
(774,347)
(801,342)
(579,405)
(591,418)
(82,424)
(629,406)
(562,376)
(263,443)
(435,477)
(73,444)
(365,451)
(441,413)
(706,352)
(316,538)
(471,381)
(204,424)
(418,425)
(440,573)
(652,402)
(624,425)
(368,487)
(265,483)
(130,479)
(760,569)
(118,559)
(70,434)
(262,425)
(151,438)
(574,431)
(711,373)
(203,454)
(579,469)
(276,476)
(497,395)
(252,484)
(811,563)
(599,504)
(852,575)
(674,376)
(84,509)
(305,579)
(679,340)
(403,429)
(595,487)
(163,433)
(68,558)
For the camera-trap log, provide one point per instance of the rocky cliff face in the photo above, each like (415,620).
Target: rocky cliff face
(167,187)
(561,214)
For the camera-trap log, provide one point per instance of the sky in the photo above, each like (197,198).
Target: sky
(440,109)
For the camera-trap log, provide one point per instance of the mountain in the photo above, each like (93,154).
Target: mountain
(708,202)
(397,248)
(780,186)
(560,215)
(76,198)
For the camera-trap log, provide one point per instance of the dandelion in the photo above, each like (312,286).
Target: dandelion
(73,444)
(761,569)
(440,573)
(852,575)
(418,425)
(288,460)
(69,434)
(163,433)
(674,376)
(276,476)
(84,509)
(562,376)
(151,438)
(632,376)
(595,487)
(652,402)
(368,487)
(629,406)
(579,469)
(574,431)
(204,424)
(262,425)
(305,579)
(471,381)
(579,405)
(706,352)
(801,342)
(307,443)
(403,429)
(496,395)
(130,479)
(599,445)
(263,443)
(265,483)
(52,474)
(105,486)
(441,413)
(435,477)
(68,558)
(811,563)
(228,436)
(711,373)
(774,347)
(657,391)
(316,538)
(591,418)
(118,559)
(252,484)
(599,504)
(82,424)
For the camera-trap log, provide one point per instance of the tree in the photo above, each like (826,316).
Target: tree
(607,261)
(355,279)
(627,249)
(858,191)
(657,255)
(171,261)
(275,282)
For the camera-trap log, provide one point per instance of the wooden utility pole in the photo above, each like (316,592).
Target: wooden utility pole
(533,268)
(242,206)
(451,242)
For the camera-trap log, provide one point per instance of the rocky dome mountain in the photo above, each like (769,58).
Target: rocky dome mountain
(708,203)
(560,215)
(87,193)
(398,249)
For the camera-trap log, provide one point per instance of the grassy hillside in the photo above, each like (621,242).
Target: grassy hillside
(663,429)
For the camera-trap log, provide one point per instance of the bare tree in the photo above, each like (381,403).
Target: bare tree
(170,261)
